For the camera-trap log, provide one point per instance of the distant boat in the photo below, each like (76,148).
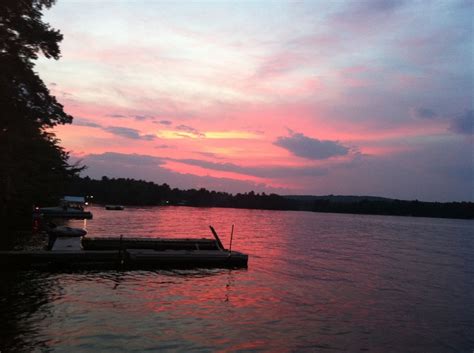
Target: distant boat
(114,207)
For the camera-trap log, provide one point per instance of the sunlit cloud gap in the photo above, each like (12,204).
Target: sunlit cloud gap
(180,134)
(364,86)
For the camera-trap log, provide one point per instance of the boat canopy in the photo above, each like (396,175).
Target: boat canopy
(74,199)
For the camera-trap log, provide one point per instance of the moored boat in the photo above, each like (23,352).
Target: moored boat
(69,207)
(114,207)
(64,212)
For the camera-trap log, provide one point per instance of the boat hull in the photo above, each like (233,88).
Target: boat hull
(59,212)
(114,207)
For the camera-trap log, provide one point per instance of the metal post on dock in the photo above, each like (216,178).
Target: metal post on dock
(231,237)
(121,255)
(218,241)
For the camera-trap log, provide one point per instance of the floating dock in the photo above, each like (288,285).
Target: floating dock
(126,253)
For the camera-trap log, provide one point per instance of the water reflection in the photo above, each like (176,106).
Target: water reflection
(22,298)
(314,282)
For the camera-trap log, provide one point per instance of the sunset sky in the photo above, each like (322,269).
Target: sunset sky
(317,97)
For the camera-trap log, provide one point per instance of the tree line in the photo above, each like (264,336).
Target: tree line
(124,191)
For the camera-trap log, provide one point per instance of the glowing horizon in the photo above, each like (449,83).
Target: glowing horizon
(362,98)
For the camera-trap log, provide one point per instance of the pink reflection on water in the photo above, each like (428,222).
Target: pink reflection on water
(254,233)
(314,281)
(220,298)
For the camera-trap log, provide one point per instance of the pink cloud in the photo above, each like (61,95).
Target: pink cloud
(354,77)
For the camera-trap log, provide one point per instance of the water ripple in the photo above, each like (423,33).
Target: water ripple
(315,282)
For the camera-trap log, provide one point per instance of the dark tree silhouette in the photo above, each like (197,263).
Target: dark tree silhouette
(144,193)
(33,166)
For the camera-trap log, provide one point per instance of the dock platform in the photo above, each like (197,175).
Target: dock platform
(126,253)
(67,244)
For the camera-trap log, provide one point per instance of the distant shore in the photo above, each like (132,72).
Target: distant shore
(130,192)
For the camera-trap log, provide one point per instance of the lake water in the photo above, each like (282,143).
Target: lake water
(315,282)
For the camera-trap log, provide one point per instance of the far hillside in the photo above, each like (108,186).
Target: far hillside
(337,198)
(144,193)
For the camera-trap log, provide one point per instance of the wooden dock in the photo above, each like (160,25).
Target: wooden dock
(67,244)
(126,253)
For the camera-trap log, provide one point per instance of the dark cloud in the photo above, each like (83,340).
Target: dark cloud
(85,122)
(143,117)
(359,10)
(463,123)
(226,167)
(311,148)
(363,15)
(164,122)
(116,130)
(277,172)
(189,130)
(280,63)
(379,5)
(423,113)
(128,133)
(148,137)
(152,168)
(133,160)
(208,154)
(263,172)
(138,117)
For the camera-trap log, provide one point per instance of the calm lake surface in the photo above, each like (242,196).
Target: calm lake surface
(316,282)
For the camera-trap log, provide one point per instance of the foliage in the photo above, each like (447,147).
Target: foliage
(463,210)
(34,166)
(138,192)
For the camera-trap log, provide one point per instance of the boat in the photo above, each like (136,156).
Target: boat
(128,253)
(69,207)
(114,207)
(64,212)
